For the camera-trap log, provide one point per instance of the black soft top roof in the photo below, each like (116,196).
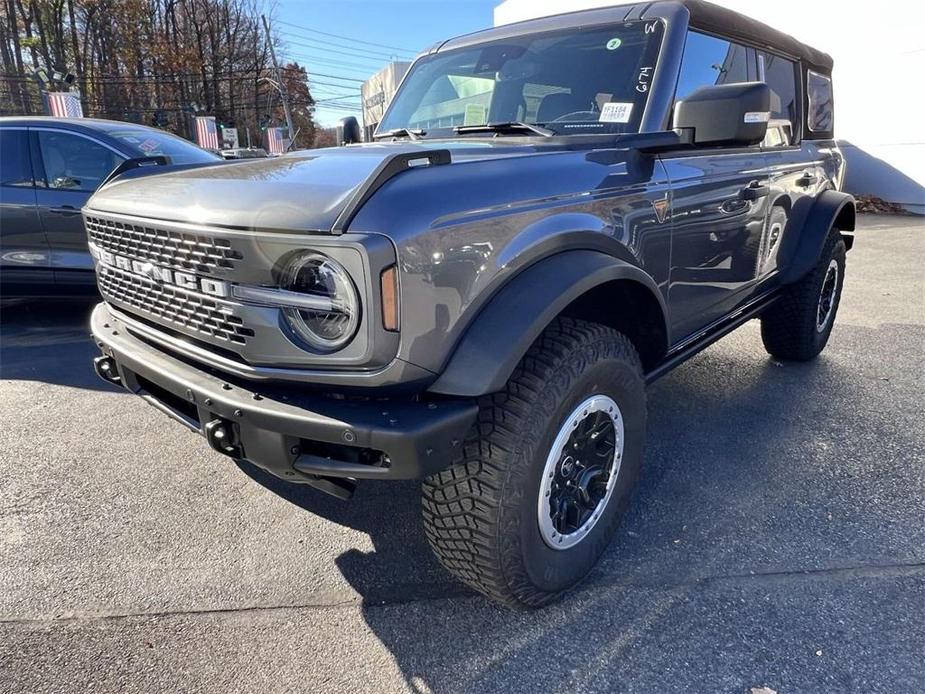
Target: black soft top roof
(703,15)
(714,18)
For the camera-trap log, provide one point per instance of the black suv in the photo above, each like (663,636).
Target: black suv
(49,168)
(557,212)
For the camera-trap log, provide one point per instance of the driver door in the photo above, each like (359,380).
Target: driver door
(719,202)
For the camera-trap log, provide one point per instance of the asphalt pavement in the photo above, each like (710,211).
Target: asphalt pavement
(776,539)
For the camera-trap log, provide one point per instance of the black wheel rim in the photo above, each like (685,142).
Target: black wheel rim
(827,297)
(580,472)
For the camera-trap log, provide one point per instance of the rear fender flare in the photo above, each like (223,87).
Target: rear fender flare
(801,251)
(499,337)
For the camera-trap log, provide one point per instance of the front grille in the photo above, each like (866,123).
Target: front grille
(165,247)
(174,305)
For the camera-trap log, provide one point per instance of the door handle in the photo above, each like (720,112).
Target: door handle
(66,210)
(754,191)
(807,179)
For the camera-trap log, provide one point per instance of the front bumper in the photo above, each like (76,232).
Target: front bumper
(300,437)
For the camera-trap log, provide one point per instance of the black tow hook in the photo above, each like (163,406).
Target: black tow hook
(221,436)
(107,370)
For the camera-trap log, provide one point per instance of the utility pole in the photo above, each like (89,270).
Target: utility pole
(279,78)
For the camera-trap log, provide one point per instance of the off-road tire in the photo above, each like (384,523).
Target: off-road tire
(480,515)
(789,327)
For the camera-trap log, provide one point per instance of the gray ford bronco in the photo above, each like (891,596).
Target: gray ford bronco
(554,214)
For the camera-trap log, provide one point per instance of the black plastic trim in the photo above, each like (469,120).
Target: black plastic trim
(800,255)
(503,332)
(387,170)
(711,334)
(134,163)
(419,437)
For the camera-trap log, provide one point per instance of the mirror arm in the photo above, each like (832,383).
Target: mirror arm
(664,141)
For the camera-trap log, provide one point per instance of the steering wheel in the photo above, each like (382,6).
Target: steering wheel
(577,115)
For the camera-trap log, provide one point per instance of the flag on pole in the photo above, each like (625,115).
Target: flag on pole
(63,104)
(206,132)
(277,143)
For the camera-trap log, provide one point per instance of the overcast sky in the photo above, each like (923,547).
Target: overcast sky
(343,42)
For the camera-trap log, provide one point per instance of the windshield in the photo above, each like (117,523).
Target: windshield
(580,80)
(152,143)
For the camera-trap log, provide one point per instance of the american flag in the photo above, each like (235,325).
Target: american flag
(206,132)
(63,104)
(276,142)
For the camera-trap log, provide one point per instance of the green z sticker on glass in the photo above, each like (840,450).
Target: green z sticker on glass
(614,44)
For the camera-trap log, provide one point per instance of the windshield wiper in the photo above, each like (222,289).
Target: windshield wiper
(412,133)
(509,127)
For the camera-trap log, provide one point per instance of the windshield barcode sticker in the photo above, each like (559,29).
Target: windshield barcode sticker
(616,112)
(475,114)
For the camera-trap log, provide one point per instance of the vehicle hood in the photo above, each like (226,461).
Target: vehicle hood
(302,191)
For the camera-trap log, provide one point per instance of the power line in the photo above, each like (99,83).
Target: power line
(347,38)
(320,83)
(165,78)
(330,99)
(335,77)
(337,63)
(364,51)
(316,53)
(153,80)
(348,52)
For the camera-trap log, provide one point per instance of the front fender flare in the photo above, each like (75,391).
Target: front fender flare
(504,330)
(830,209)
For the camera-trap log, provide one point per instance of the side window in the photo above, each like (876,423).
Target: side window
(15,165)
(780,76)
(73,162)
(819,92)
(710,61)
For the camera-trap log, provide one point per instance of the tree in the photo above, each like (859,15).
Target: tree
(325,137)
(157,62)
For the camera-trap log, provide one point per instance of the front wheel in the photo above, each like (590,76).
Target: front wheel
(546,473)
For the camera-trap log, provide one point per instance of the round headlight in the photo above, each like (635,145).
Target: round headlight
(332,320)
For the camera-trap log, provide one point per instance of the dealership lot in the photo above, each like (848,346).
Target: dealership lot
(777,538)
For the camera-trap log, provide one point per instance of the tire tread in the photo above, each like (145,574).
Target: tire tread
(462,505)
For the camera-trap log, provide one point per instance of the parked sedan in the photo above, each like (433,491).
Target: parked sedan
(49,168)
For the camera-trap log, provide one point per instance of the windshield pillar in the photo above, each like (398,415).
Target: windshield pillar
(657,116)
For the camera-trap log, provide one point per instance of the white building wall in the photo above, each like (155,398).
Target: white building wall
(879,76)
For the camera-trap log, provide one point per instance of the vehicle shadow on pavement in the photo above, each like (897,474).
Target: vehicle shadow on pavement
(49,341)
(401,567)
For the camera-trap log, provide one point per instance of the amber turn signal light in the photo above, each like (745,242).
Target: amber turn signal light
(389,284)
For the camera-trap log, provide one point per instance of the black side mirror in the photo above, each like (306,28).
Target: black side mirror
(348,131)
(728,114)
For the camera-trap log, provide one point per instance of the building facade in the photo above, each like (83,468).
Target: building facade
(377,92)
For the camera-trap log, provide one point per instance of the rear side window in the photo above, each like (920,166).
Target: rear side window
(780,76)
(151,143)
(820,117)
(709,61)
(15,165)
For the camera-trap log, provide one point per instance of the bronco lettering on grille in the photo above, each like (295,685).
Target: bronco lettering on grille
(184,280)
